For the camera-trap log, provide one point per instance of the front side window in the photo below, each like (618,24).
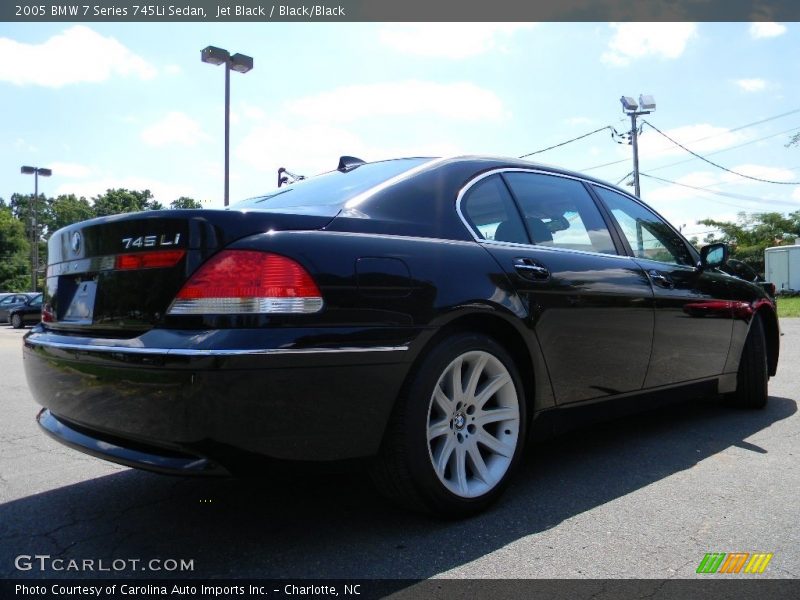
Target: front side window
(648,235)
(559,212)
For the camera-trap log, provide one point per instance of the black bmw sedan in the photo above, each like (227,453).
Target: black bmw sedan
(423,314)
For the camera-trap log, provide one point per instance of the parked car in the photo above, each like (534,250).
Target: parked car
(423,314)
(26,314)
(10,301)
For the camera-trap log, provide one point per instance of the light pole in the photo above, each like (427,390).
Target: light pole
(241,64)
(647,104)
(35,171)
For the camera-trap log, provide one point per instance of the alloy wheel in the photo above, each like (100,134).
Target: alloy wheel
(473,424)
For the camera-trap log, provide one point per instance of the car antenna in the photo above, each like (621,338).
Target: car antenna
(284,175)
(348,163)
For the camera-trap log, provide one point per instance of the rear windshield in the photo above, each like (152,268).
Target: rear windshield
(327,193)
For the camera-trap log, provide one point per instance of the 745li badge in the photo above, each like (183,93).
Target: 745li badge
(151,241)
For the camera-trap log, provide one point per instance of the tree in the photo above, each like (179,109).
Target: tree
(67,209)
(750,235)
(14,250)
(184,202)
(121,200)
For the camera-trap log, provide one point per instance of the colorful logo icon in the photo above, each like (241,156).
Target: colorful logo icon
(734,562)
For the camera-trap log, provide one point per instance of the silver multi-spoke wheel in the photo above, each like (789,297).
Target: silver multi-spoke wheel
(473,424)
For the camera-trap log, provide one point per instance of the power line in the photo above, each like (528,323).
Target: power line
(580,137)
(761,139)
(712,163)
(623,178)
(717,193)
(708,137)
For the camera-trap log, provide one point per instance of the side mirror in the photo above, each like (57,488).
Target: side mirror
(713,255)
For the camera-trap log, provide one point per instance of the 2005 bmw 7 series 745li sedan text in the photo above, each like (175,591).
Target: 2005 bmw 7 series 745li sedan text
(423,314)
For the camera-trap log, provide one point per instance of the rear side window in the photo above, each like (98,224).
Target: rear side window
(490,211)
(559,212)
(649,236)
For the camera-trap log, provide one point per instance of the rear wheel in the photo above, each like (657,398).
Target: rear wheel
(752,377)
(457,432)
(16,321)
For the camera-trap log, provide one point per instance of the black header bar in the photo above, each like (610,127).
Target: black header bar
(211,11)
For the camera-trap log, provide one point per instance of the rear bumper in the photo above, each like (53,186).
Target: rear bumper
(211,395)
(155,459)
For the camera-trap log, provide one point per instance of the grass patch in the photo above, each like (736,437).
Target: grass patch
(788,307)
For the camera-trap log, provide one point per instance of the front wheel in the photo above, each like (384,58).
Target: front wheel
(16,321)
(458,430)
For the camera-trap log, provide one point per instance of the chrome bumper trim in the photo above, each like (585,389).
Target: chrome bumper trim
(198,352)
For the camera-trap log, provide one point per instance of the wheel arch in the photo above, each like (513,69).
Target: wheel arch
(772,335)
(529,362)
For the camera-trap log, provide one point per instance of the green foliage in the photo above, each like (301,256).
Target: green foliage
(788,307)
(14,248)
(750,235)
(121,200)
(184,202)
(66,210)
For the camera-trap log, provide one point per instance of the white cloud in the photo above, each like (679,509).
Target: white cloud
(578,121)
(448,40)
(464,101)
(173,70)
(759,171)
(751,85)
(78,55)
(640,40)
(766,29)
(174,128)
(310,149)
(71,170)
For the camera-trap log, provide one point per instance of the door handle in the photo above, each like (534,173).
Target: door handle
(530,269)
(661,279)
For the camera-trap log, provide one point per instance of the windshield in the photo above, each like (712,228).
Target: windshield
(327,193)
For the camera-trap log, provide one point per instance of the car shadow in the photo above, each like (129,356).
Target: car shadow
(334,525)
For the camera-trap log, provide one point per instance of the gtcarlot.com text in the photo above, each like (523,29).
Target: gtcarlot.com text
(46,563)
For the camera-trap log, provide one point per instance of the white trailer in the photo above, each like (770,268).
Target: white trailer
(782,267)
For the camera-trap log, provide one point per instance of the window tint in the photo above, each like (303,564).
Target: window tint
(648,235)
(560,212)
(490,210)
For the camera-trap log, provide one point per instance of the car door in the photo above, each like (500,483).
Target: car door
(589,309)
(694,314)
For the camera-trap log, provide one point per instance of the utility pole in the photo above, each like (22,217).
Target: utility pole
(647,104)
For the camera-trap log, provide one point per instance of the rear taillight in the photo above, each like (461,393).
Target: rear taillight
(148,260)
(248,282)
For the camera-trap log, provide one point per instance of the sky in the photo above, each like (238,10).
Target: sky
(109,105)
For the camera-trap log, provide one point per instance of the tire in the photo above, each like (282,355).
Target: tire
(16,321)
(752,377)
(448,452)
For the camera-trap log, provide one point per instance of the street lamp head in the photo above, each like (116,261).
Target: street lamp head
(241,63)
(28,170)
(44,172)
(647,102)
(214,56)
(628,104)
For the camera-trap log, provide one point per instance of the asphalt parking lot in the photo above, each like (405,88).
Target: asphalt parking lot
(642,497)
